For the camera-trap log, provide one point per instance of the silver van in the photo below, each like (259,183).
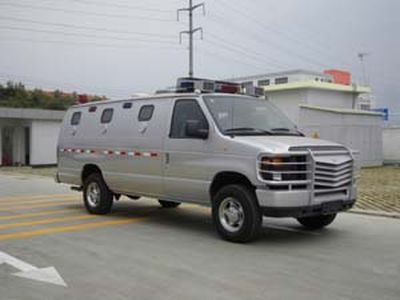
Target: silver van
(238,154)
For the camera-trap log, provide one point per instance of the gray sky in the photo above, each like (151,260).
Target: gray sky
(120,47)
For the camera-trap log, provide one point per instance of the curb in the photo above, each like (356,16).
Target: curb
(375,213)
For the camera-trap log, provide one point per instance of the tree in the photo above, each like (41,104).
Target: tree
(16,95)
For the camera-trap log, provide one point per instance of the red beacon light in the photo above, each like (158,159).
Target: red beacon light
(199,85)
(229,88)
(190,85)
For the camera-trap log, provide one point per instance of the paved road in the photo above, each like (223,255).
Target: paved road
(141,251)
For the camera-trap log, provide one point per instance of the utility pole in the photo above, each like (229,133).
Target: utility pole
(361,56)
(191,31)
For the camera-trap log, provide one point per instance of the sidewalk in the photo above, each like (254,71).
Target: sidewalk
(379,189)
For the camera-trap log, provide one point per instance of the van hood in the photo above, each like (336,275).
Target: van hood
(281,143)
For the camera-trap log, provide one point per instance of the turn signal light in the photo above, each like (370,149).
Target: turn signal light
(273,160)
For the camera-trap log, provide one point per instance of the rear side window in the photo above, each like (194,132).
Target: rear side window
(146,112)
(76,118)
(127,105)
(107,115)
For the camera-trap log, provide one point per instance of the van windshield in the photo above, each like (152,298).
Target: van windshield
(248,116)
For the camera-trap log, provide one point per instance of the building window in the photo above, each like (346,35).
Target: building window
(247,84)
(281,80)
(76,118)
(106,116)
(145,113)
(186,110)
(263,82)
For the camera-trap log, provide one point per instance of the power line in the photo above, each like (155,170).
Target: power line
(101,29)
(86,43)
(84,35)
(125,6)
(261,39)
(73,11)
(271,29)
(233,47)
(214,55)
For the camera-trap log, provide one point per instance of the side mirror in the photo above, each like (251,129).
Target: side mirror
(195,129)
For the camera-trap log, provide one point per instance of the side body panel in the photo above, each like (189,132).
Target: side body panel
(128,152)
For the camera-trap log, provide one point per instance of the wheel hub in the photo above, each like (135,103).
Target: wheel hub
(231,214)
(93,194)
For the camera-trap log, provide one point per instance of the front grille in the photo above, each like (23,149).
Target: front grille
(327,171)
(333,170)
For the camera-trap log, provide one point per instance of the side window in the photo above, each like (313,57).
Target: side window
(107,115)
(185,110)
(127,105)
(146,112)
(76,118)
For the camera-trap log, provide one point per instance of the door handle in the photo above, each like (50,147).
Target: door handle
(166,158)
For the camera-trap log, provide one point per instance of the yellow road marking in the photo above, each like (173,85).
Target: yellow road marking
(27,197)
(47,221)
(37,214)
(26,234)
(31,201)
(56,203)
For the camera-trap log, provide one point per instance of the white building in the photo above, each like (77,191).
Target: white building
(29,136)
(326,105)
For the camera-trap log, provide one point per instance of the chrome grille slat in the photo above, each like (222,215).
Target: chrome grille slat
(334,168)
(333,178)
(333,185)
(331,174)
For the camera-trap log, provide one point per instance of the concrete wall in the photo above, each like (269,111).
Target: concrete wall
(289,101)
(333,99)
(44,136)
(362,132)
(391,145)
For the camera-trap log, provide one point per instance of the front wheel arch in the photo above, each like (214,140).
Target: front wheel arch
(229,177)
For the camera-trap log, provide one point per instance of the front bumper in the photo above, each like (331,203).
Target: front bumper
(300,203)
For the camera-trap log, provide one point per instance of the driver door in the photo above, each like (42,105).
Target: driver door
(185,165)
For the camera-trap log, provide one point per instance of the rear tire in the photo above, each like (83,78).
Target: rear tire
(317,222)
(236,213)
(168,204)
(97,197)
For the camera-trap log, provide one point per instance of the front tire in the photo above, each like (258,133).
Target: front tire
(168,204)
(236,213)
(317,222)
(97,197)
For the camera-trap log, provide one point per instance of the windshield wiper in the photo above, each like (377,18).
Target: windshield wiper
(280,129)
(247,130)
(286,131)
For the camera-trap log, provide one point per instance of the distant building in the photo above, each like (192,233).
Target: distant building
(326,105)
(29,136)
(332,88)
